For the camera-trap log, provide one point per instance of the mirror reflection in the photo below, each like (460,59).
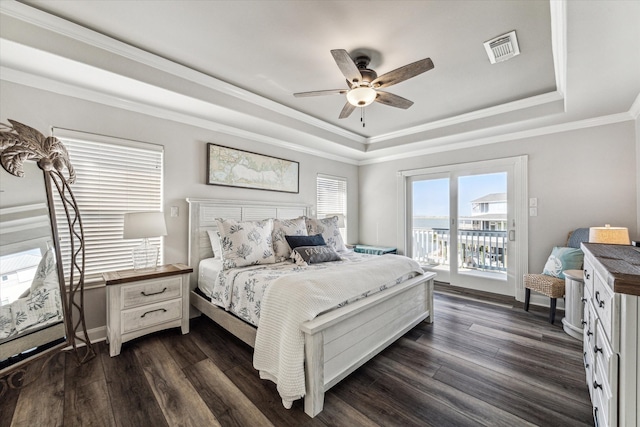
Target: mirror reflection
(31,310)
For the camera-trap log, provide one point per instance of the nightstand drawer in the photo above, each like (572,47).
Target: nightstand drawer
(150,315)
(150,291)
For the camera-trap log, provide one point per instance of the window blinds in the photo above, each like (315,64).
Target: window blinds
(331,195)
(113,177)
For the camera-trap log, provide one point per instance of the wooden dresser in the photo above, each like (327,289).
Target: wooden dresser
(612,332)
(144,301)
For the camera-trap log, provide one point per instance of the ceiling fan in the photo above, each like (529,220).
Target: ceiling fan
(364,83)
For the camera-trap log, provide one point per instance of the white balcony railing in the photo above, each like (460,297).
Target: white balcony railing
(477,249)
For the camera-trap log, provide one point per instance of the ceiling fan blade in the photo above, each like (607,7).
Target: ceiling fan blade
(392,100)
(403,73)
(346,110)
(320,93)
(346,65)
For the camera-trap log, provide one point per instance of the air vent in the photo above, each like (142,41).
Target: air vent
(502,47)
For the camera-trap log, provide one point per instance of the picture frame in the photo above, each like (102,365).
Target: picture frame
(231,167)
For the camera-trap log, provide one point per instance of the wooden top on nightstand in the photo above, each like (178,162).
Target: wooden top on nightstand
(126,276)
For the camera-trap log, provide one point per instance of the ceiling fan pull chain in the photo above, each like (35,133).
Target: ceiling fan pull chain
(362,116)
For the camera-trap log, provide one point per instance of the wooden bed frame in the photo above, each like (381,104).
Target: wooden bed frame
(337,342)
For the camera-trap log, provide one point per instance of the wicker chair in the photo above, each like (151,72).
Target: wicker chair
(550,286)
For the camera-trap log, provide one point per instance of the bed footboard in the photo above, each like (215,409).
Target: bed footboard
(339,342)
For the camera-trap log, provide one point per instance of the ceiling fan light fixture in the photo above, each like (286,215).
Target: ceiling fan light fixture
(361,96)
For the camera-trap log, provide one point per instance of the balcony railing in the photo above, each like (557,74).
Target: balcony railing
(477,249)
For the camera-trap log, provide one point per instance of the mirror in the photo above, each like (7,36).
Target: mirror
(41,304)
(31,312)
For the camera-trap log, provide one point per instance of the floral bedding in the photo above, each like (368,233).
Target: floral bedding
(41,306)
(240,290)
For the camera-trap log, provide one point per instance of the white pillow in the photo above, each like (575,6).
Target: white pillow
(42,306)
(245,242)
(328,227)
(286,227)
(214,238)
(45,267)
(7,326)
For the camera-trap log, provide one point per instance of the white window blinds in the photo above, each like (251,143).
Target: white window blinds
(331,197)
(113,177)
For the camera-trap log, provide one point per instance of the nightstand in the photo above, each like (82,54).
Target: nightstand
(143,301)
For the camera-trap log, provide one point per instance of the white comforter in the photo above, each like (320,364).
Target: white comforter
(291,300)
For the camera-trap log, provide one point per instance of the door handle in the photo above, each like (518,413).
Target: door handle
(512,235)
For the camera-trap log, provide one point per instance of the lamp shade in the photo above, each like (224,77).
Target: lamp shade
(608,234)
(143,225)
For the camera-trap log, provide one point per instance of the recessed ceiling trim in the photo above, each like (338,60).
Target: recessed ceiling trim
(93,38)
(471,139)
(62,88)
(474,115)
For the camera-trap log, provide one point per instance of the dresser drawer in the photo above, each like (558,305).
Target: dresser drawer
(604,399)
(605,358)
(150,291)
(603,303)
(150,315)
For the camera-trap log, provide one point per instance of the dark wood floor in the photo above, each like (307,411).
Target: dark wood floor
(484,361)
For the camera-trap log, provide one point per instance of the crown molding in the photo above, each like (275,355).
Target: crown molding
(471,139)
(474,115)
(77,32)
(634,111)
(61,88)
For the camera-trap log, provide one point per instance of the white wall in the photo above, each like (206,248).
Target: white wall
(581,178)
(185,162)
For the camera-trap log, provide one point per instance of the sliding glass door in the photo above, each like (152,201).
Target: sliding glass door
(461,224)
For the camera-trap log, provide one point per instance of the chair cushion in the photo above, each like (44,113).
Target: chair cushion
(561,259)
(548,285)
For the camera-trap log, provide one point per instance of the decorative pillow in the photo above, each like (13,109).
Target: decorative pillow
(283,228)
(296,241)
(305,255)
(7,328)
(43,305)
(46,266)
(245,242)
(328,227)
(561,259)
(214,238)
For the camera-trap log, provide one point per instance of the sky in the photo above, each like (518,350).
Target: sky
(431,197)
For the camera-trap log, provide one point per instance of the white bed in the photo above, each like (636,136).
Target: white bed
(336,342)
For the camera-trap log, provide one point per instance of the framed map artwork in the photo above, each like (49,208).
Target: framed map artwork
(237,168)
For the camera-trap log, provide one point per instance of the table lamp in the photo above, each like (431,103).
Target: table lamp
(608,234)
(144,225)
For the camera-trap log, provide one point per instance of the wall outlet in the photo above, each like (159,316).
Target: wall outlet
(175,211)
(533,202)
(533,211)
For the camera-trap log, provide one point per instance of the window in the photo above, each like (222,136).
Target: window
(331,195)
(114,176)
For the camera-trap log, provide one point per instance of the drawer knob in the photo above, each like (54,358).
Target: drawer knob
(584,300)
(589,333)
(597,349)
(587,275)
(153,311)
(583,322)
(596,385)
(584,358)
(153,293)
(600,303)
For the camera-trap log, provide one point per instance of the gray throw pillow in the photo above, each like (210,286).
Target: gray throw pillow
(305,255)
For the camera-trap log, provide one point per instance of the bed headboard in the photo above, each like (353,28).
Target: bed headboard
(203,212)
